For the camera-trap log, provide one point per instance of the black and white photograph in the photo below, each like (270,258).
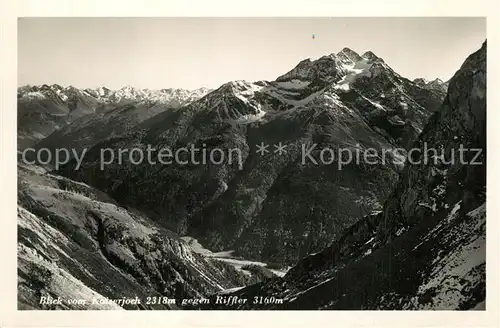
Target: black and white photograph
(251,163)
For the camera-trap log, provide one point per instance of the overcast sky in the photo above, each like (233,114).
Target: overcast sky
(207,52)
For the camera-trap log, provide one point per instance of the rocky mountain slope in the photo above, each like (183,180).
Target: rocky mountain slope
(47,108)
(86,131)
(276,206)
(426,248)
(75,242)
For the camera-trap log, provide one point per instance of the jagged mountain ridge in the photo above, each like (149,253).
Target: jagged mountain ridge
(47,108)
(426,248)
(173,97)
(340,100)
(436,83)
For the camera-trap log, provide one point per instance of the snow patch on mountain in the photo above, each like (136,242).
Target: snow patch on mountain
(453,275)
(33,95)
(354,71)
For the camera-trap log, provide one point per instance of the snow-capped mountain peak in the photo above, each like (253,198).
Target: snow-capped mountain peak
(334,67)
(420,81)
(348,55)
(434,84)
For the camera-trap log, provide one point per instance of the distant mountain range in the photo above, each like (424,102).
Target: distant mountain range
(46,108)
(55,92)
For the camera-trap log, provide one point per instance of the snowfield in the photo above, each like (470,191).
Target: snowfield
(454,273)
